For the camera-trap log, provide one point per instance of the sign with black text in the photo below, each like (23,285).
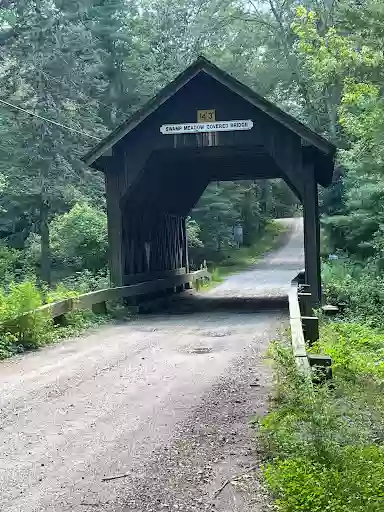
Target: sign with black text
(220,126)
(206,116)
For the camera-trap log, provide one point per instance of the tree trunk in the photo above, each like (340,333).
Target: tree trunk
(331,108)
(45,263)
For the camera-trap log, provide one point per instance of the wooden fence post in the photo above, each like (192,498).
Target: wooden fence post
(311,328)
(100,308)
(305,301)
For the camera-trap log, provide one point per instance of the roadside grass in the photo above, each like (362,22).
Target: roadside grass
(235,259)
(22,329)
(325,449)
(39,330)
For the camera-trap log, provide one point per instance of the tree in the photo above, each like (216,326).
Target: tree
(79,238)
(44,175)
(89,64)
(225,204)
(216,216)
(193,234)
(350,63)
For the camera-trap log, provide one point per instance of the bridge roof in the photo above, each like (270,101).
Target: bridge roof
(324,149)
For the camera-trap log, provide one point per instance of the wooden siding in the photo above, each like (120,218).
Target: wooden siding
(154,180)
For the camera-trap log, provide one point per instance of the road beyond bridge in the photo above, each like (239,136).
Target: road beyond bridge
(164,399)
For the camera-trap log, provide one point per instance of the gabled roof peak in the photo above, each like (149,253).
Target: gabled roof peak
(202,64)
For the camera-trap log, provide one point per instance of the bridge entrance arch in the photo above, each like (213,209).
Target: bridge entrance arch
(204,126)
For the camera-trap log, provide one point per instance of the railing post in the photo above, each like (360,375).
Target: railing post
(100,308)
(330,310)
(322,364)
(310,328)
(305,301)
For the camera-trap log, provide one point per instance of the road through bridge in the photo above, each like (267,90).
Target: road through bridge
(164,399)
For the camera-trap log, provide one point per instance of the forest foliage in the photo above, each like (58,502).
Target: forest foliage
(325,446)
(88,66)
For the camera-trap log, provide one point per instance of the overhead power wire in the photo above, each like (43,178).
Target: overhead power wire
(74,130)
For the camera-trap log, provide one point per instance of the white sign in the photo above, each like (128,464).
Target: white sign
(147,246)
(218,126)
(238,234)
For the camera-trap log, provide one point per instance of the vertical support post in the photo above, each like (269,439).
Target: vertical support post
(100,308)
(115,230)
(188,286)
(310,328)
(312,235)
(306,303)
(185,248)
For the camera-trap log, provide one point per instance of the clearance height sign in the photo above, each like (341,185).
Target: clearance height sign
(220,126)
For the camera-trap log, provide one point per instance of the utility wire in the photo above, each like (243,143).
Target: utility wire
(85,134)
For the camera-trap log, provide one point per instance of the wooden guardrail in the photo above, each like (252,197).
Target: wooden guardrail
(163,274)
(297,333)
(97,300)
(305,328)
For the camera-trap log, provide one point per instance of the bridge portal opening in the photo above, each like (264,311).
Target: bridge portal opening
(203,127)
(231,224)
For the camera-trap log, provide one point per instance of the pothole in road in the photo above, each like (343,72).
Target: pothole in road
(196,349)
(216,334)
(200,350)
(146,329)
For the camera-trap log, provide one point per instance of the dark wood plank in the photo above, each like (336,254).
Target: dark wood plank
(163,274)
(311,328)
(305,302)
(115,230)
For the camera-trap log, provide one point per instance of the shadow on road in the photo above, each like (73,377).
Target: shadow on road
(197,303)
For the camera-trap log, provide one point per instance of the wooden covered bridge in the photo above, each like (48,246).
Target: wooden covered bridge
(202,127)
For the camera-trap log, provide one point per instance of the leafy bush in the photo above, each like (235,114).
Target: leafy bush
(32,249)
(78,242)
(316,425)
(354,484)
(8,345)
(216,276)
(86,281)
(193,233)
(326,444)
(356,349)
(14,266)
(20,329)
(8,259)
(60,292)
(360,289)
(79,238)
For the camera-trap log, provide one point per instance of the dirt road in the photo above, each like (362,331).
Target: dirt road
(163,399)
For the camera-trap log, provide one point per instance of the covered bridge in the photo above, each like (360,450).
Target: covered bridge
(202,127)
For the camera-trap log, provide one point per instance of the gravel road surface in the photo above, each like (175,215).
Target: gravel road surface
(163,400)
